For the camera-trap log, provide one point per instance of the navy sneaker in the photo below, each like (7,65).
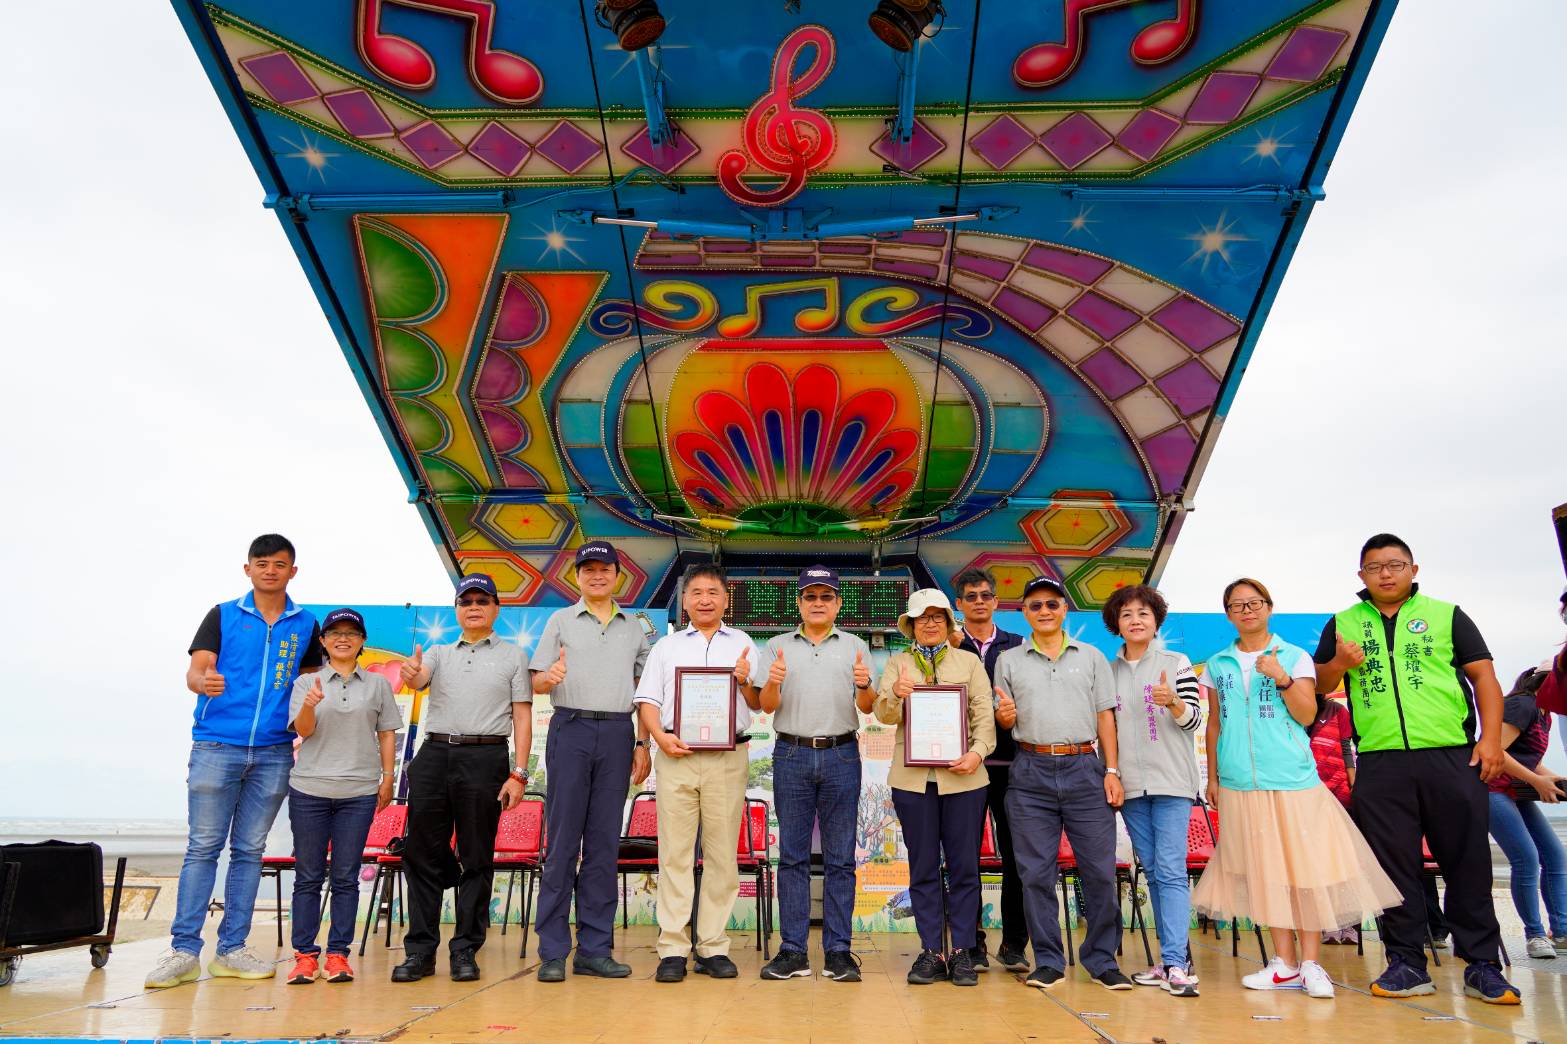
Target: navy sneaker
(1483,979)
(1402,979)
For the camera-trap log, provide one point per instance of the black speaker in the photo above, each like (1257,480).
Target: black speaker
(59,892)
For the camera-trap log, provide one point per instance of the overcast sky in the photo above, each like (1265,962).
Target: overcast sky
(174,388)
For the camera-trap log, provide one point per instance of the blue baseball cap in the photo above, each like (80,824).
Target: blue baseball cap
(477,582)
(344,615)
(1039,583)
(598,551)
(819,574)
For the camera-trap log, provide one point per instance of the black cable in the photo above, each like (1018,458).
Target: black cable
(946,290)
(625,256)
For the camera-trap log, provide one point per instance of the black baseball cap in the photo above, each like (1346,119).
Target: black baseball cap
(477,582)
(344,615)
(1041,582)
(819,574)
(598,551)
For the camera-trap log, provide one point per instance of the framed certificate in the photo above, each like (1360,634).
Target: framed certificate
(935,725)
(705,707)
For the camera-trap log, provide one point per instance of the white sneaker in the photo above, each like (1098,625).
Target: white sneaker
(173,968)
(1541,947)
(243,963)
(1276,976)
(1316,981)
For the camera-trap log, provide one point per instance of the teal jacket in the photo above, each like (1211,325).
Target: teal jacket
(1261,747)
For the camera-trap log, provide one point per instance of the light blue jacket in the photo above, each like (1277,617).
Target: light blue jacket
(1261,747)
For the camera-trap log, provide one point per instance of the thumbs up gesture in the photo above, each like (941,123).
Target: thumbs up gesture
(1162,694)
(1006,710)
(903,688)
(1349,653)
(1268,666)
(212,682)
(778,670)
(315,695)
(413,667)
(557,670)
(743,667)
(862,671)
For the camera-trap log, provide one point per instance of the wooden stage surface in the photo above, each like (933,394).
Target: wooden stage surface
(58,996)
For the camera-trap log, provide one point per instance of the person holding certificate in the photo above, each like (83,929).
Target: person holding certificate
(695,699)
(939,698)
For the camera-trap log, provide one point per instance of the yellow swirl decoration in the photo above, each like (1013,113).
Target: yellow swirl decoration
(673,297)
(895,298)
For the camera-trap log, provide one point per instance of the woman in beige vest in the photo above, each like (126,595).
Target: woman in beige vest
(941,805)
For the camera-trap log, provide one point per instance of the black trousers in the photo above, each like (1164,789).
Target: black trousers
(1014,922)
(452,787)
(1402,795)
(935,824)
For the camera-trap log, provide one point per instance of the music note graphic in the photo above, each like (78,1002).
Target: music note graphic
(1045,64)
(502,76)
(778,137)
(812,320)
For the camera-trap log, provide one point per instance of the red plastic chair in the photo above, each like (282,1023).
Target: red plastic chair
(519,849)
(388,869)
(989,854)
(755,857)
(387,824)
(638,845)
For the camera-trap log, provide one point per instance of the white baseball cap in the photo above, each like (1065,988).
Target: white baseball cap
(922,601)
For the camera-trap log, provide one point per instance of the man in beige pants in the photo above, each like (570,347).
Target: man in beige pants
(701,788)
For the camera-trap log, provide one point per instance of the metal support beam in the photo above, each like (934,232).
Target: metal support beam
(785,224)
(650,74)
(908,63)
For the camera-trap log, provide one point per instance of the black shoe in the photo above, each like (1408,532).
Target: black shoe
(1112,979)
(960,969)
(553,970)
(603,967)
(413,969)
(979,958)
(1012,958)
(718,966)
(787,965)
(1043,977)
(464,967)
(670,969)
(841,966)
(928,967)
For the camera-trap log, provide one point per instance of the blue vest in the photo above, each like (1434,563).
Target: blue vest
(1261,747)
(259,664)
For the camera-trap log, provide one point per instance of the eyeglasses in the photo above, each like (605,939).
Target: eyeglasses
(344,634)
(979,596)
(1251,605)
(1044,603)
(1395,567)
(938,618)
(468,603)
(818,598)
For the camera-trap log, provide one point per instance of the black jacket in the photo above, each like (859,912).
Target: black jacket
(1006,748)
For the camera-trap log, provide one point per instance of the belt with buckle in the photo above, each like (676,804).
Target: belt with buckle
(818,742)
(596,715)
(1059,750)
(464,741)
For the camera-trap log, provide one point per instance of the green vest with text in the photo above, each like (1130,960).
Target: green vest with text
(1407,697)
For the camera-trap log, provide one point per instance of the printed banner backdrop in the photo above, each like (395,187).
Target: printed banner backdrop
(881,900)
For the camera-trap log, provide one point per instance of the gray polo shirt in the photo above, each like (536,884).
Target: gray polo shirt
(603,661)
(818,692)
(473,685)
(1058,701)
(342,757)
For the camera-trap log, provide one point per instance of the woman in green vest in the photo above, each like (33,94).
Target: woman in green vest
(1288,855)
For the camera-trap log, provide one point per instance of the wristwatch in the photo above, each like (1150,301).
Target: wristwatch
(1112,771)
(647,744)
(519,773)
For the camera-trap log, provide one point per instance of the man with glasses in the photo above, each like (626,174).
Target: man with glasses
(818,682)
(1413,670)
(1058,697)
(976,591)
(480,695)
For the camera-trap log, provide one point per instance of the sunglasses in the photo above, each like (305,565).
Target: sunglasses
(468,603)
(1044,603)
(818,598)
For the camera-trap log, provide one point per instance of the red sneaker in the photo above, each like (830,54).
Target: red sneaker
(304,972)
(338,969)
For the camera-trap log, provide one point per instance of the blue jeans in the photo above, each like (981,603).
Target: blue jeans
(318,822)
(1158,825)
(1526,838)
(234,794)
(811,785)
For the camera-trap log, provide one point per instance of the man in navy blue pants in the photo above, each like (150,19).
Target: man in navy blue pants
(588,662)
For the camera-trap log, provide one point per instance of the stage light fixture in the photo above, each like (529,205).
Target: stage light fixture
(636,23)
(900,23)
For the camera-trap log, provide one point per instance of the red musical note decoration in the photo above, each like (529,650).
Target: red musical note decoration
(1045,64)
(505,77)
(778,137)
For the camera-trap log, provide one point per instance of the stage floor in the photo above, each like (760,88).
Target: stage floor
(58,996)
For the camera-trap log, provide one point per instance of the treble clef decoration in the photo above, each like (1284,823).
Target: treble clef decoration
(777,136)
